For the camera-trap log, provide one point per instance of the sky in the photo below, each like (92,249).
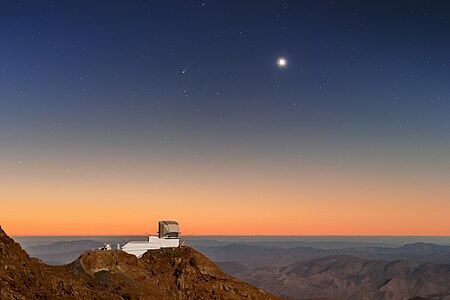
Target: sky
(117,114)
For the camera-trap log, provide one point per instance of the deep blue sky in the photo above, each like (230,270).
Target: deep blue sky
(370,68)
(354,68)
(114,84)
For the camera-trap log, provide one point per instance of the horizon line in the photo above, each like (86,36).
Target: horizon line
(227,235)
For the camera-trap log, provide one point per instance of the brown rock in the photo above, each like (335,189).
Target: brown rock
(172,273)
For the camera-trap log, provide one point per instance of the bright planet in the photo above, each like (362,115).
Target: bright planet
(282,62)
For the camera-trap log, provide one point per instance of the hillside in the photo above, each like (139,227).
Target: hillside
(178,273)
(348,277)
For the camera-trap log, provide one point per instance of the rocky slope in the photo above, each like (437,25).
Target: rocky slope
(179,273)
(348,277)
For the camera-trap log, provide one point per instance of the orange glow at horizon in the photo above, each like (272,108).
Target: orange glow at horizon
(254,201)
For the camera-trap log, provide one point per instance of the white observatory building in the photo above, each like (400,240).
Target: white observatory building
(168,237)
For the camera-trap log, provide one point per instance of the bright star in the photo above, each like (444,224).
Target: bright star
(282,62)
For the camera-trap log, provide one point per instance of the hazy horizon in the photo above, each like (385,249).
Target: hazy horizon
(392,241)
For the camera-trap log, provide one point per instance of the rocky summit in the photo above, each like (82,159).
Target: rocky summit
(171,273)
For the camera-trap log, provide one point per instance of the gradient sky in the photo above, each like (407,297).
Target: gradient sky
(117,114)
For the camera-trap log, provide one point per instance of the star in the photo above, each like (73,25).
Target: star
(282,62)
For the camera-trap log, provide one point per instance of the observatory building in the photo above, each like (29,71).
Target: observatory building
(168,237)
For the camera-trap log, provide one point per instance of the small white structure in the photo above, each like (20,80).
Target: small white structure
(106,246)
(168,237)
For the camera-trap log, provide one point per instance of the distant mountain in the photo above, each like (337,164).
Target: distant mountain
(348,277)
(257,256)
(61,253)
(172,273)
(63,247)
(194,243)
(420,249)
(253,256)
(425,252)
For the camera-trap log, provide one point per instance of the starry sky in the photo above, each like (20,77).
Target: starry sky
(117,114)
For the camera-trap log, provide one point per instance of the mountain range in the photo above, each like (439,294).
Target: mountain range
(292,272)
(257,256)
(353,278)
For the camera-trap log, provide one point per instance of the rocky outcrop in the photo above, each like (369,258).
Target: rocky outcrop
(173,273)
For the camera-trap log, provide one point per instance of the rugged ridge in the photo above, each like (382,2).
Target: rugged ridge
(177,273)
(348,277)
